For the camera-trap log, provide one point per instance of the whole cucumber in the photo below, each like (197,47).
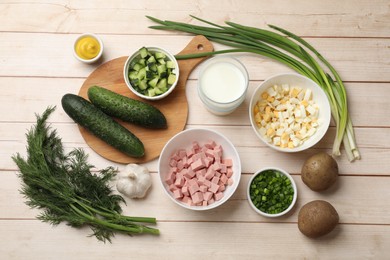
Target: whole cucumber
(101,125)
(127,109)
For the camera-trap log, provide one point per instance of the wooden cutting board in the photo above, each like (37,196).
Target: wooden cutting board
(175,107)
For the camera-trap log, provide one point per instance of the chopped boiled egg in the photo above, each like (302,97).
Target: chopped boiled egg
(286,116)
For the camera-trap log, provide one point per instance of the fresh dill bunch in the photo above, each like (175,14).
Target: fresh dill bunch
(66,190)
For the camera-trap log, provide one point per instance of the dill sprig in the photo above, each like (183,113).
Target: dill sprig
(64,187)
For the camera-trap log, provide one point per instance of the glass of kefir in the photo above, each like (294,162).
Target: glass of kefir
(222,85)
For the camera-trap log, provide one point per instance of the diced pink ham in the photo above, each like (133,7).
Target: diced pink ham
(215,180)
(228,162)
(190,152)
(207,183)
(189,173)
(179,182)
(195,145)
(180,165)
(229,172)
(210,173)
(197,197)
(188,201)
(208,161)
(210,144)
(177,194)
(193,188)
(223,168)
(214,187)
(172,163)
(207,195)
(198,175)
(172,187)
(203,188)
(216,166)
(224,178)
(170,178)
(185,191)
(198,164)
(182,153)
(175,157)
(185,162)
(218,196)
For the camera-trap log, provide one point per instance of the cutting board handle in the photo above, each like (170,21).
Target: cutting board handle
(198,44)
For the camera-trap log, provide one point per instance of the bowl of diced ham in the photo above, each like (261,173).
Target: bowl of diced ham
(199,169)
(289,112)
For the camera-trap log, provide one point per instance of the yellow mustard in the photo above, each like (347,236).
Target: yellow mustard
(87,47)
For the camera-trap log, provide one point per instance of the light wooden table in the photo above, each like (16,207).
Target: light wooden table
(37,68)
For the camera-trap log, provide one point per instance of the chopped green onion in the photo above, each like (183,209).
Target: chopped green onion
(287,48)
(276,194)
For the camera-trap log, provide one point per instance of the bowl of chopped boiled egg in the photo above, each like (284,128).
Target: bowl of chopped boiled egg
(289,112)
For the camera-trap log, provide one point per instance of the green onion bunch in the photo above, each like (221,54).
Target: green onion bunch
(286,48)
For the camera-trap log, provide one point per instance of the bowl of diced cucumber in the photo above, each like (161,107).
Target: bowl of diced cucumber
(151,73)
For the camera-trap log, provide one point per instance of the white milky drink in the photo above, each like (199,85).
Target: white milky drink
(222,85)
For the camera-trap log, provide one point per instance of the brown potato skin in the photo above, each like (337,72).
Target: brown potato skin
(317,218)
(320,171)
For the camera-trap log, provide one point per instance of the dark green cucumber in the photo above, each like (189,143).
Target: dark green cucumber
(101,125)
(127,109)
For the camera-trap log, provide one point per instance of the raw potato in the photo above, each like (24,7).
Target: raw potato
(320,171)
(317,218)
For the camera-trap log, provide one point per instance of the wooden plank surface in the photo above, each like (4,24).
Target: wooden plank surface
(37,68)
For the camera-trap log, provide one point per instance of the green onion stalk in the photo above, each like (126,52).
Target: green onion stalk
(286,48)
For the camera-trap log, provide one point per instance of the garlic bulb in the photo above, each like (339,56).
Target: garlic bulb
(134,181)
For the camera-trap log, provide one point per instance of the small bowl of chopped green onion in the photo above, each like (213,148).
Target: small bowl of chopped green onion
(151,73)
(272,192)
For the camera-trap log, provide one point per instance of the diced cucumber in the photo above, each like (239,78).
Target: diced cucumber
(151,92)
(170,64)
(133,75)
(159,55)
(151,59)
(152,73)
(141,74)
(144,52)
(162,84)
(153,82)
(143,84)
(134,82)
(152,66)
(162,70)
(142,62)
(171,79)
(137,67)
(158,91)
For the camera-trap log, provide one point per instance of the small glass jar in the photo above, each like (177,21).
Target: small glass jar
(222,85)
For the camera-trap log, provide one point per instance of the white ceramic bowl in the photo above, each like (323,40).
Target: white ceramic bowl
(319,97)
(88,61)
(292,183)
(184,140)
(136,55)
